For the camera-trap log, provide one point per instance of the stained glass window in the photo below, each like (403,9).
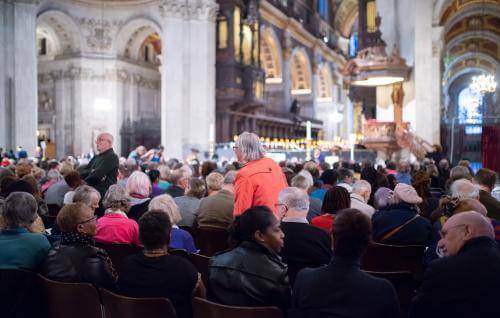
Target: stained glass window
(470,104)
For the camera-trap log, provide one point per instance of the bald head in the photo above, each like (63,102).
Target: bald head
(477,223)
(104,142)
(461,228)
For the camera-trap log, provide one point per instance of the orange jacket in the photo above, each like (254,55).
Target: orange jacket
(258,183)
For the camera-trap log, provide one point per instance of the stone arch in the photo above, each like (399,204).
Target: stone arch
(469,56)
(346,16)
(270,55)
(300,69)
(470,35)
(449,11)
(61,31)
(325,84)
(133,34)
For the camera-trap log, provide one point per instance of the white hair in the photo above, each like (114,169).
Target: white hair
(361,186)
(307,175)
(139,183)
(464,189)
(250,147)
(302,182)
(294,199)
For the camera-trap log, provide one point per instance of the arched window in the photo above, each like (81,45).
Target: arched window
(470,104)
(323,9)
(353,44)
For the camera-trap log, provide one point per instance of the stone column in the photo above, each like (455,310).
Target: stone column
(173,38)
(19,116)
(285,71)
(426,75)
(201,82)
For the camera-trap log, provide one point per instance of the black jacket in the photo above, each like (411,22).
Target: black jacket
(305,244)
(418,232)
(101,171)
(491,204)
(341,289)
(249,275)
(78,263)
(464,285)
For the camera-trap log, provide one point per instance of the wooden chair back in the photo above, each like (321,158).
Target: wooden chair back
(19,293)
(405,286)
(203,308)
(201,264)
(211,240)
(116,306)
(390,258)
(75,300)
(118,252)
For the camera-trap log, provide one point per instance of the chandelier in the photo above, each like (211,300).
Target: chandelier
(484,84)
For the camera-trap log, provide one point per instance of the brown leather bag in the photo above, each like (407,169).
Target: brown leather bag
(397,229)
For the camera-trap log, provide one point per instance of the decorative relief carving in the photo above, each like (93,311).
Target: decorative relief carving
(99,34)
(189,9)
(110,75)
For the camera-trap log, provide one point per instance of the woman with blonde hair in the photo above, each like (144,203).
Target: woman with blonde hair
(139,189)
(180,238)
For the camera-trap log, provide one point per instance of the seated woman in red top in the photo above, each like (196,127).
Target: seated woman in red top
(336,199)
(115,226)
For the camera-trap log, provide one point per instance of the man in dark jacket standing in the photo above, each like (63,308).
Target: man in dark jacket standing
(465,282)
(102,170)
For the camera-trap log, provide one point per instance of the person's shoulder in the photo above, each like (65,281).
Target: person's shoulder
(36,239)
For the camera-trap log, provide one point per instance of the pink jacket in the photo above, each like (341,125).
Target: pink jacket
(258,183)
(118,229)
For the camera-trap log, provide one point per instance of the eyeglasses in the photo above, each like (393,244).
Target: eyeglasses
(443,233)
(285,208)
(89,220)
(235,147)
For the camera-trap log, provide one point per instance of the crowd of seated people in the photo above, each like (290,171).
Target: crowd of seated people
(298,231)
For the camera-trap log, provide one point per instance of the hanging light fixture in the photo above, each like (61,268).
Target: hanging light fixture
(484,83)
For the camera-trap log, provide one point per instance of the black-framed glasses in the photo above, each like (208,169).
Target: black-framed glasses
(285,208)
(89,220)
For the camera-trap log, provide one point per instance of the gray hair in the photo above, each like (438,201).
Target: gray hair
(460,172)
(294,199)
(306,174)
(84,194)
(166,204)
(301,182)
(464,189)
(54,174)
(250,147)
(230,177)
(19,210)
(361,186)
(116,198)
(178,175)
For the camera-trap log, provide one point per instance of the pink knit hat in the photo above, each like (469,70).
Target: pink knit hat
(407,193)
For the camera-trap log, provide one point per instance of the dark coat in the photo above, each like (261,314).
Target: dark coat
(249,275)
(417,232)
(78,263)
(175,191)
(101,171)
(491,204)
(464,285)
(305,244)
(341,289)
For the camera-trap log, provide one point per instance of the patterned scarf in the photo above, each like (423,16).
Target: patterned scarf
(68,238)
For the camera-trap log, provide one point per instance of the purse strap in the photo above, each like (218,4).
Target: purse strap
(396,230)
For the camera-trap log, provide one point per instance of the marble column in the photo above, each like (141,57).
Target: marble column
(172,95)
(18,75)
(201,82)
(426,75)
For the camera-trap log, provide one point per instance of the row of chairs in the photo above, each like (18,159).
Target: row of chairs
(82,300)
